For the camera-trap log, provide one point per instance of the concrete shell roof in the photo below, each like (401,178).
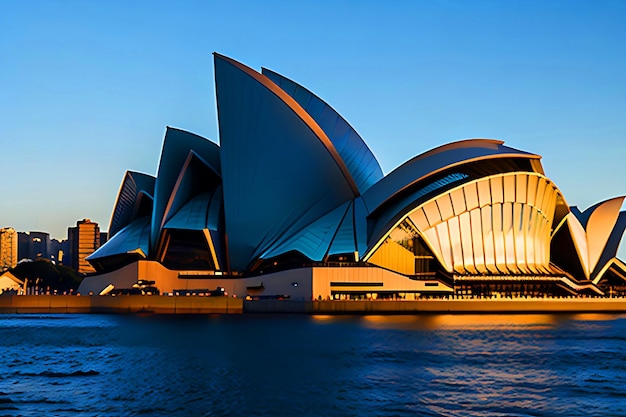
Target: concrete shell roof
(402,188)
(596,233)
(195,179)
(359,159)
(437,160)
(133,238)
(290,174)
(315,240)
(199,213)
(176,148)
(135,188)
(280,170)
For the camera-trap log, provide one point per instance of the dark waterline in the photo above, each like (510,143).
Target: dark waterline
(432,365)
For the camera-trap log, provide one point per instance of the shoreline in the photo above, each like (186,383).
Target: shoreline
(126,304)
(138,304)
(457,306)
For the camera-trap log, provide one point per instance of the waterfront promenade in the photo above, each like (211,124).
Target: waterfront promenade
(133,304)
(437,306)
(126,304)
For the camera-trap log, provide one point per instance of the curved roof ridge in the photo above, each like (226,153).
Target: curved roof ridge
(438,160)
(599,226)
(466,143)
(320,233)
(183,173)
(387,224)
(187,132)
(142,174)
(462,143)
(215,165)
(176,146)
(612,245)
(365,172)
(131,237)
(182,214)
(584,215)
(137,184)
(300,112)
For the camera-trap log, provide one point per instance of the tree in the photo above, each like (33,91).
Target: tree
(44,274)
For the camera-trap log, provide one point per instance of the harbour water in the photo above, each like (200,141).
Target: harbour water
(299,365)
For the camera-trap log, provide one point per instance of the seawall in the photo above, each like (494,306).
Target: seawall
(126,304)
(132,304)
(473,306)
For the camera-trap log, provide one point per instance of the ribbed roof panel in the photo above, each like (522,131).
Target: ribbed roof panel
(176,148)
(436,160)
(134,187)
(357,156)
(280,171)
(315,239)
(131,239)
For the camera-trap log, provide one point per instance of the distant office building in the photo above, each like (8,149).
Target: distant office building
(54,251)
(37,245)
(23,242)
(83,239)
(104,236)
(71,256)
(8,248)
(65,250)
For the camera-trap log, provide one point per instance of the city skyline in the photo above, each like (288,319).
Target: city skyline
(90,88)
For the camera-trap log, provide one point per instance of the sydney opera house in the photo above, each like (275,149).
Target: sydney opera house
(292,203)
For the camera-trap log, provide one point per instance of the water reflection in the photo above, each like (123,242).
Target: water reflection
(596,317)
(462,321)
(432,365)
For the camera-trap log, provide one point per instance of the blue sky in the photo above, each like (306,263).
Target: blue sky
(87,88)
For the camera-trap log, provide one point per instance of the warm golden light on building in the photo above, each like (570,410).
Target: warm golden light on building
(496,225)
(84,240)
(8,248)
(293,195)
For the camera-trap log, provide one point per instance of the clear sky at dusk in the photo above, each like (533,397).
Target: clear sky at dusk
(87,88)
